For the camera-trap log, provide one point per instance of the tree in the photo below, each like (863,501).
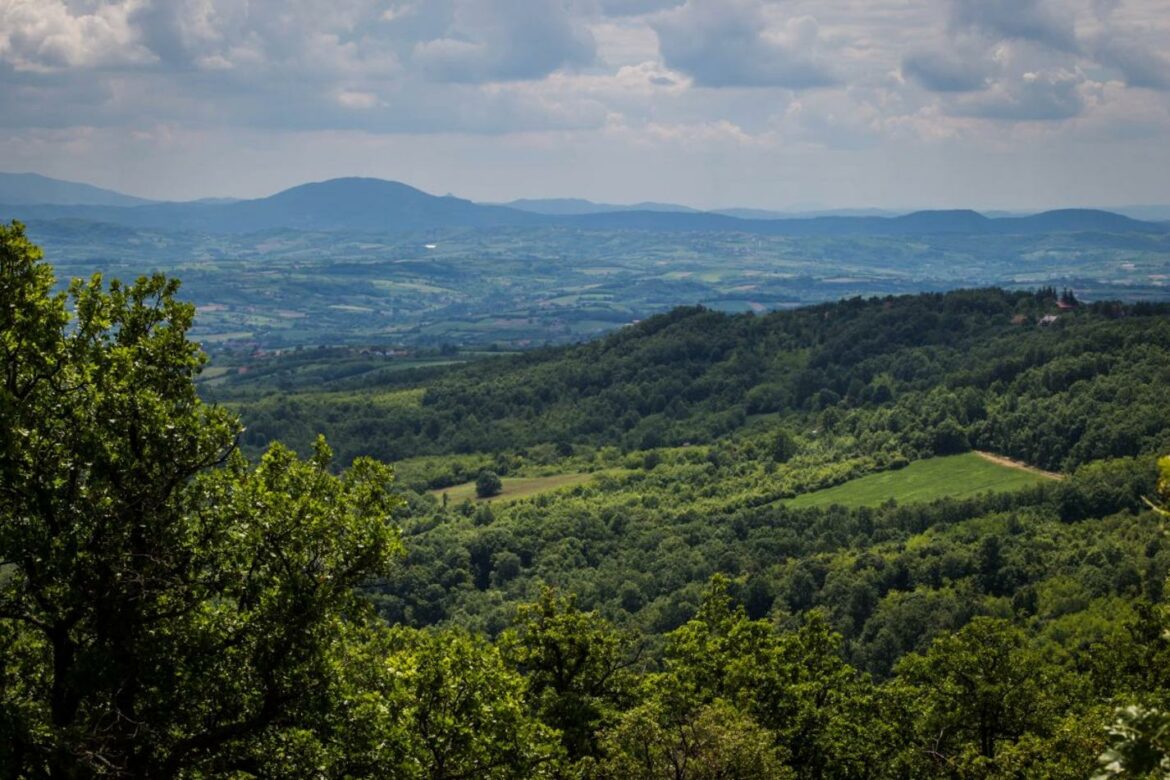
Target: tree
(164,606)
(784,446)
(827,719)
(488,484)
(463,711)
(1162,505)
(979,688)
(1139,744)
(577,667)
(716,741)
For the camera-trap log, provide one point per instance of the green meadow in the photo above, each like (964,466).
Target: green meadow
(951,476)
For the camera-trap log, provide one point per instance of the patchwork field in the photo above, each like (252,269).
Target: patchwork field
(518,487)
(525,287)
(952,476)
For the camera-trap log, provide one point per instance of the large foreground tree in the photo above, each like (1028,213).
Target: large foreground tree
(165,607)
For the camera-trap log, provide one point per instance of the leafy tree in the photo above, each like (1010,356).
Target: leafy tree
(977,689)
(827,720)
(715,741)
(165,608)
(463,711)
(1140,734)
(1162,505)
(784,446)
(577,667)
(716,654)
(488,484)
(1070,750)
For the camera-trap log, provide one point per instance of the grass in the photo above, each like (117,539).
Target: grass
(514,487)
(952,476)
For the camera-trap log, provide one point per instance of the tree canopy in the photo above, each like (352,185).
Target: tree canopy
(164,605)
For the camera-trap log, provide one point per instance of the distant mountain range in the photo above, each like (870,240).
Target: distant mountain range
(579,206)
(32,188)
(376,205)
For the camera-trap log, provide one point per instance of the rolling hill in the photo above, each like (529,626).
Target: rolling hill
(32,189)
(378,206)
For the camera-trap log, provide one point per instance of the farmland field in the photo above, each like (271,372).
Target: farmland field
(952,476)
(525,287)
(518,487)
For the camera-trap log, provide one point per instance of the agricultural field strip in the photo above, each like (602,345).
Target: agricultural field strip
(515,487)
(952,476)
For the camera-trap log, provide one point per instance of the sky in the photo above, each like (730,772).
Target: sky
(1014,104)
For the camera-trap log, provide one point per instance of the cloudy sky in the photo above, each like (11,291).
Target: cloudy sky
(770,103)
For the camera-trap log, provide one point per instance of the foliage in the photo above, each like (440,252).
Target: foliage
(1140,734)
(1141,744)
(488,484)
(652,742)
(164,606)
(169,609)
(892,378)
(978,688)
(464,711)
(576,665)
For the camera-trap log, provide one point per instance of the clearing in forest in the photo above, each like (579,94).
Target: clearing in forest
(951,476)
(514,487)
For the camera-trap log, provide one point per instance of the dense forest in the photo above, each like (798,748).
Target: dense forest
(1008,372)
(182,597)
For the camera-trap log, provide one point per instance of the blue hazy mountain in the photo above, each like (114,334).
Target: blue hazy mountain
(32,188)
(350,204)
(376,205)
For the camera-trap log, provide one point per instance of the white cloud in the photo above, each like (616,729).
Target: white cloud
(1031,97)
(1044,22)
(493,40)
(49,35)
(730,43)
(1135,56)
(714,81)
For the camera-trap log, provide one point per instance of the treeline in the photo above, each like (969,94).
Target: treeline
(921,375)
(565,693)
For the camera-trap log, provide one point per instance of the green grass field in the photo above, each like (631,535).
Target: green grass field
(953,476)
(515,487)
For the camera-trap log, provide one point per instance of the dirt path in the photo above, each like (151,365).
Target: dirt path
(1015,464)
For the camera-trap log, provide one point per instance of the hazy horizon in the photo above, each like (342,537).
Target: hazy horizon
(794,209)
(1019,105)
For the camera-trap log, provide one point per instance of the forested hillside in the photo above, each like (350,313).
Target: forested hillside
(606,561)
(894,377)
(695,430)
